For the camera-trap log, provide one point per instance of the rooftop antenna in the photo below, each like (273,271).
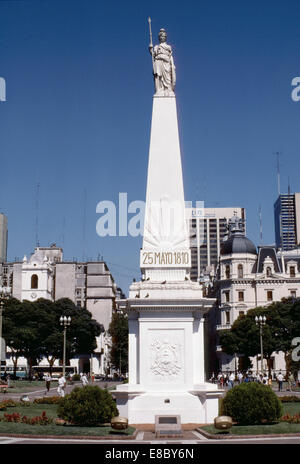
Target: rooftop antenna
(84,225)
(63,231)
(278,153)
(37,195)
(260,225)
(289,213)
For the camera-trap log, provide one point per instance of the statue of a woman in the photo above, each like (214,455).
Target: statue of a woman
(163,66)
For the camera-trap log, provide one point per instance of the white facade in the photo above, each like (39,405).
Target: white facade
(247,280)
(89,284)
(37,278)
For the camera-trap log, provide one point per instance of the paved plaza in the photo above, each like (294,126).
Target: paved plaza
(145,434)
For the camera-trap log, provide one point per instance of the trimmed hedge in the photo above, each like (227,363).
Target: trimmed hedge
(47,400)
(290,399)
(87,406)
(252,403)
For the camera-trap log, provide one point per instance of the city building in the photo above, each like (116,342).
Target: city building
(208,227)
(246,278)
(287,221)
(89,285)
(3,238)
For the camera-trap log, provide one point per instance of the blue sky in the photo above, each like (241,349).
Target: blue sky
(78,113)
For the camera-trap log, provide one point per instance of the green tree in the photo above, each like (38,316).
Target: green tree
(81,334)
(33,330)
(118,330)
(25,325)
(282,325)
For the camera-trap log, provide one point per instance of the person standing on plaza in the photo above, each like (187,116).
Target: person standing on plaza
(240,377)
(291,381)
(219,377)
(61,385)
(231,380)
(48,382)
(84,380)
(225,380)
(280,381)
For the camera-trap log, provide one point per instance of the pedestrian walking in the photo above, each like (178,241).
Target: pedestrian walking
(61,386)
(48,382)
(84,380)
(280,381)
(231,380)
(290,382)
(225,380)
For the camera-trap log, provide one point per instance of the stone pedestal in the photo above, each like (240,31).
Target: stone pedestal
(166,360)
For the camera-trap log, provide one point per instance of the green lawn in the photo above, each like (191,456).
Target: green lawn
(24,386)
(291,408)
(280,427)
(52,429)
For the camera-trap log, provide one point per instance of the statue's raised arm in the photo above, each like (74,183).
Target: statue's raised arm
(163,65)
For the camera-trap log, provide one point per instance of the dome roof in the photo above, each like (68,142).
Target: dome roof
(238,243)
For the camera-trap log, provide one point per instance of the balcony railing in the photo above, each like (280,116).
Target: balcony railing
(224,327)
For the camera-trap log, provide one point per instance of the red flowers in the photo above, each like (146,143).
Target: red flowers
(37,420)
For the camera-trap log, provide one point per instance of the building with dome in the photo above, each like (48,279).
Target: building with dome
(248,277)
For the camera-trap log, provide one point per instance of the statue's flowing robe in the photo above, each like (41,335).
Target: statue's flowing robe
(164,66)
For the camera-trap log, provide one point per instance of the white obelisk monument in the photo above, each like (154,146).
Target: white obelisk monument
(166,309)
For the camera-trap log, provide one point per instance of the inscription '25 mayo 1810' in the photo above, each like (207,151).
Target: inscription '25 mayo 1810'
(179,258)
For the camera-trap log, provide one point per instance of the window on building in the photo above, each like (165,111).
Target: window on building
(227,271)
(227,317)
(226,297)
(293,293)
(241,313)
(78,303)
(270,295)
(292,271)
(34,281)
(268,272)
(240,271)
(241,296)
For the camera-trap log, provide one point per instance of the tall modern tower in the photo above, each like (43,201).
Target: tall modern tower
(208,228)
(3,238)
(166,309)
(287,221)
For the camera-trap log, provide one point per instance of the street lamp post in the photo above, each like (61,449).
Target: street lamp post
(65,322)
(261,320)
(4,295)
